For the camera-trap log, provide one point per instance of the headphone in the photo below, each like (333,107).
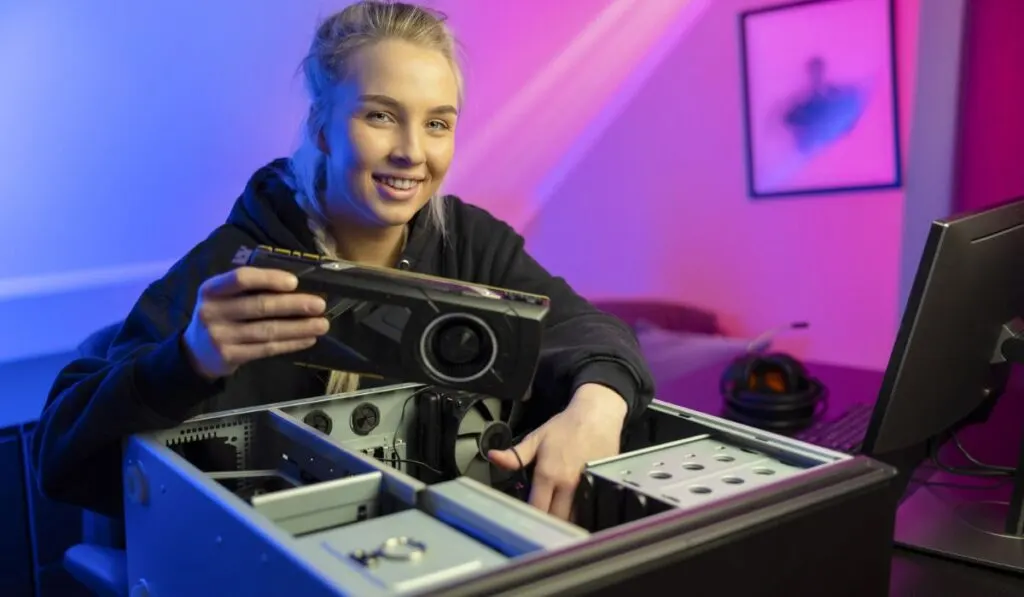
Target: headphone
(771,391)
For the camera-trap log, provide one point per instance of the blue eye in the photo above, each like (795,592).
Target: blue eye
(439,125)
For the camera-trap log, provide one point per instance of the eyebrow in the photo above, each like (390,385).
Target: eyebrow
(393,103)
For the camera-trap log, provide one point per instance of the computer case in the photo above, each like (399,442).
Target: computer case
(277,504)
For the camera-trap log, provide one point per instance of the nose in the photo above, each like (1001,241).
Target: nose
(408,148)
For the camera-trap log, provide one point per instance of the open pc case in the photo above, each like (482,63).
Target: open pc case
(322,497)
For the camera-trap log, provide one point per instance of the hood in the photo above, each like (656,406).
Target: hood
(267,211)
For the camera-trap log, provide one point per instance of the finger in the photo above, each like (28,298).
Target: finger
(267,306)
(248,279)
(240,354)
(527,449)
(505,459)
(561,501)
(541,492)
(273,330)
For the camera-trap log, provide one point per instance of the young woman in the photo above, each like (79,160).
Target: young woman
(385,95)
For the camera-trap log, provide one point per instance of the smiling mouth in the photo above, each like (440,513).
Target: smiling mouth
(401,184)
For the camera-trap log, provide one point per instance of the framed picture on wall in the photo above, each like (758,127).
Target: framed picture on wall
(819,97)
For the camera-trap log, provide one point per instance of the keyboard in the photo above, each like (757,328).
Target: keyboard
(844,433)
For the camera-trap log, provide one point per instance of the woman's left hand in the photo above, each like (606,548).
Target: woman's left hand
(590,428)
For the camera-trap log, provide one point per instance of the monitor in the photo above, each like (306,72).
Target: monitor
(960,334)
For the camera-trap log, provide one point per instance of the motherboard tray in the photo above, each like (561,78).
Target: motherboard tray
(318,497)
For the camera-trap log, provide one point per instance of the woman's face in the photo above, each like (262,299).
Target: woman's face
(391,136)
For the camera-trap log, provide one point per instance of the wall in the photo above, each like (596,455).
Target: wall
(990,165)
(543,79)
(126,144)
(658,208)
(115,125)
(133,128)
(929,192)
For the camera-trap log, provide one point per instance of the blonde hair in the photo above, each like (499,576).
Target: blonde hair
(337,38)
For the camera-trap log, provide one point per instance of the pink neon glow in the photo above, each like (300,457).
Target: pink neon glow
(620,120)
(502,160)
(991,119)
(658,208)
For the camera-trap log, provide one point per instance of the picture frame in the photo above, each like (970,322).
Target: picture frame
(820,97)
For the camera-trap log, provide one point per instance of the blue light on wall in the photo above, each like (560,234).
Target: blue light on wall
(129,128)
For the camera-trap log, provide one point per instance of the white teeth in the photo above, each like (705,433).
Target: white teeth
(403,184)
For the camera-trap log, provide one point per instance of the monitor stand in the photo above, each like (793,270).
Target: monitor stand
(966,524)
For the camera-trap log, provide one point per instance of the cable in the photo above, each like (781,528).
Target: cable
(990,486)
(975,461)
(417,463)
(524,481)
(982,470)
(513,419)
(763,341)
(976,483)
(394,446)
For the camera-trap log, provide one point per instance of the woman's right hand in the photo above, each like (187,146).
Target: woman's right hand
(248,314)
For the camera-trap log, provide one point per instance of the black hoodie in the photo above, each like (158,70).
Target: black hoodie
(145,381)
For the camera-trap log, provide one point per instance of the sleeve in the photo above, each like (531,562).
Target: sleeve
(582,344)
(143,382)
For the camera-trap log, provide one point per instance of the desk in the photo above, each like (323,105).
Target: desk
(913,574)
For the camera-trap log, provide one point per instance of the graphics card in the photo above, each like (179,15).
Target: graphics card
(408,327)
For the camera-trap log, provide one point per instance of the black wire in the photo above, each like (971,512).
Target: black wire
(982,470)
(930,483)
(524,479)
(417,463)
(976,462)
